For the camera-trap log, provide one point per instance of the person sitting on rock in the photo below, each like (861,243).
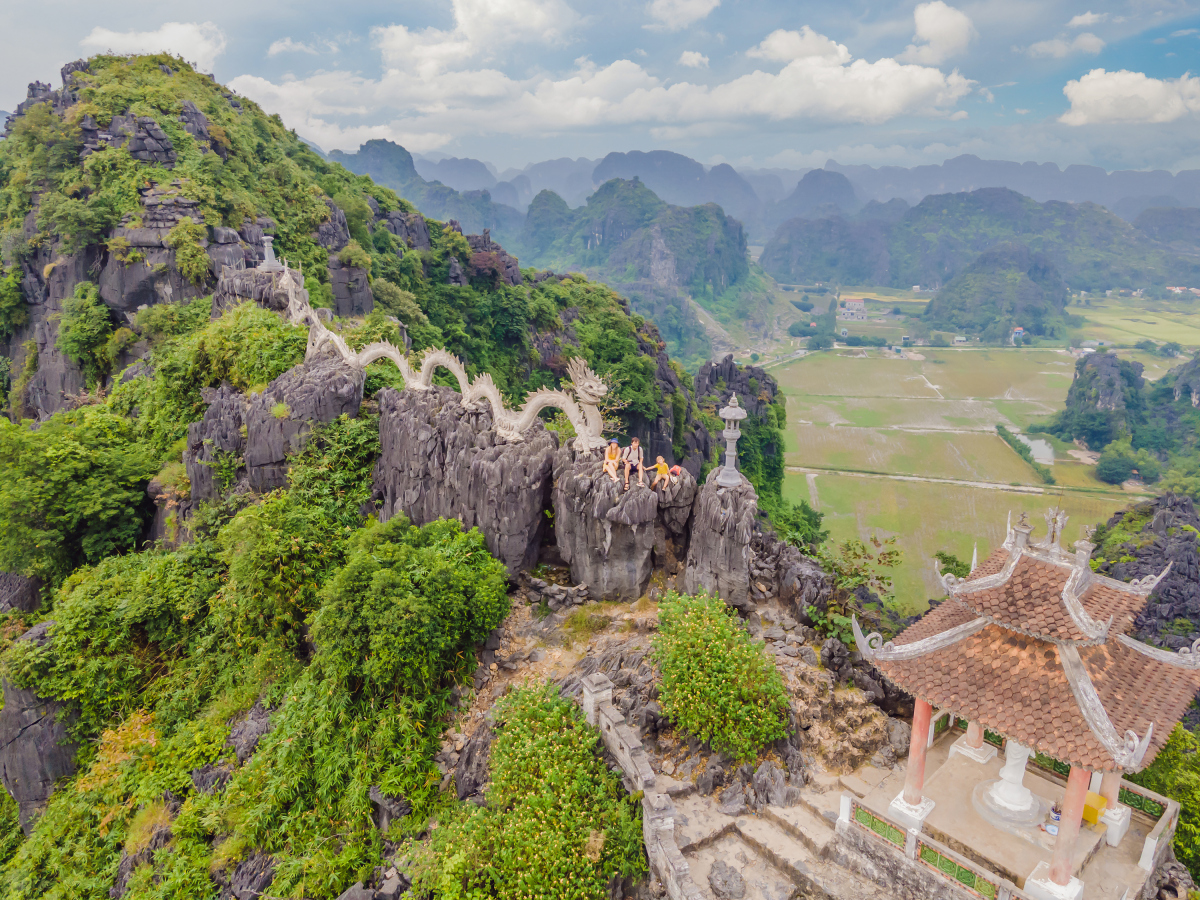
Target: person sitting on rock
(661,473)
(635,460)
(612,455)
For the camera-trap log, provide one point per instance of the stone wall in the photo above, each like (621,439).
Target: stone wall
(658,812)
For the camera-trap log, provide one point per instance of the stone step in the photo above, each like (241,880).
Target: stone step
(811,829)
(855,785)
(817,878)
(785,852)
(699,823)
(761,879)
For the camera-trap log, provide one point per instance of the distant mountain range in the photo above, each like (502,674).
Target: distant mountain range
(764,198)
(935,240)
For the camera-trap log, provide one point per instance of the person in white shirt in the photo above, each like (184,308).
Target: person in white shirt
(635,460)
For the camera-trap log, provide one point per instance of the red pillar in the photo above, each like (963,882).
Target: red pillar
(1068,827)
(914,780)
(974,735)
(1110,789)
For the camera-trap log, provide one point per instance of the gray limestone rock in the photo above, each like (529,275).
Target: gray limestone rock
(606,534)
(249,880)
(35,749)
(351,289)
(809,655)
(490,261)
(216,439)
(280,419)
(726,882)
(356,891)
(386,808)
(732,800)
(333,234)
(247,731)
(719,553)
(472,773)
(441,459)
(899,734)
(19,592)
(409,227)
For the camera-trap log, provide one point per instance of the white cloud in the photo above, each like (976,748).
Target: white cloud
(1124,96)
(287,45)
(436,86)
(787,46)
(672,15)
(941,32)
(198,42)
(1185,32)
(1059,48)
(693,59)
(1021,112)
(1087,19)
(987,95)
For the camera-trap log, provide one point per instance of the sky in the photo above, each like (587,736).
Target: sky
(755,84)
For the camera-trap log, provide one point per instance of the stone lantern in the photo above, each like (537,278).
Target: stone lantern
(732,414)
(269,263)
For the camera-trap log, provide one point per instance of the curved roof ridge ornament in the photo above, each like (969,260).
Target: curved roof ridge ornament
(1009,535)
(955,586)
(1184,658)
(1146,585)
(873,647)
(1126,751)
(1077,582)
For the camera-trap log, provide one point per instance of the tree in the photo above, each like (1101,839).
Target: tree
(1116,463)
(84,327)
(73,492)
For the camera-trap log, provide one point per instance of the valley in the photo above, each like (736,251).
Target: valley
(901,447)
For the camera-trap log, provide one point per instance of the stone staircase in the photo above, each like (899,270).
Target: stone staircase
(781,853)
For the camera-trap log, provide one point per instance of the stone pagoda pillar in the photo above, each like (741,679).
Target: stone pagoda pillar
(733,415)
(1115,816)
(972,744)
(911,807)
(1054,880)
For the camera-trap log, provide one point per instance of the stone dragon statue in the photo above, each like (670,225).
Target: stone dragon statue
(581,409)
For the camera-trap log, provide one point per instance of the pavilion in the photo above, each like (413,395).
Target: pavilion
(1032,647)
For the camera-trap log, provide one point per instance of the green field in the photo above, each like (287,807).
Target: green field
(927,517)
(1130,319)
(865,428)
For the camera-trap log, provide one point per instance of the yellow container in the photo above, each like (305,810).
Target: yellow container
(1093,807)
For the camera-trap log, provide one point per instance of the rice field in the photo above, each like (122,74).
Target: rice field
(926,517)
(865,428)
(1128,321)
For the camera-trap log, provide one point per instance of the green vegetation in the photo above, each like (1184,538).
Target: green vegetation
(717,683)
(83,332)
(557,823)
(952,564)
(14,311)
(1175,773)
(73,491)
(855,569)
(1023,451)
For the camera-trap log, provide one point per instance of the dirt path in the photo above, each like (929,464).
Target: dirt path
(810,473)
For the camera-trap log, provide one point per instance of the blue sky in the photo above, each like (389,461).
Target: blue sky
(752,83)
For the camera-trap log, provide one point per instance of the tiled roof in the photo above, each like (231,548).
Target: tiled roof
(1104,600)
(1137,690)
(1030,601)
(1011,684)
(990,566)
(949,614)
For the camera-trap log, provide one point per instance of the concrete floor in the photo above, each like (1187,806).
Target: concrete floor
(1105,871)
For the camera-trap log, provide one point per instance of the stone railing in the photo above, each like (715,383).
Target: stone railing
(658,812)
(930,866)
(580,406)
(1147,803)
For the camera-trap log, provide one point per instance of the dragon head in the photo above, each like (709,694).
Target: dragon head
(588,386)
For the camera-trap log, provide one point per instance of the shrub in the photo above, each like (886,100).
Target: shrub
(13,311)
(558,823)
(355,256)
(717,684)
(952,564)
(281,410)
(73,491)
(190,258)
(84,327)
(1175,773)
(1115,464)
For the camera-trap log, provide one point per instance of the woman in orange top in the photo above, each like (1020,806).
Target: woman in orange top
(612,455)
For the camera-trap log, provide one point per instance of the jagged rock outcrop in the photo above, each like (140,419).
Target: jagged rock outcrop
(35,745)
(440,458)
(1187,381)
(409,227)
(673,523)
(333,234)
(605,533)
(19,592)
(237,286)
(249,880)
(280,419)
(1163,540)
(1102,381)
(755,389)
(247,730)
(490,261)
(351,289)
(216,442)
(719,553)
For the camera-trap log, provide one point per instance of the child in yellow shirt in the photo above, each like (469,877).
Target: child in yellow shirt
(661,473)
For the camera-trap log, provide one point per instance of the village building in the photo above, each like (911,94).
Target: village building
(853,309)
(1031,653)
